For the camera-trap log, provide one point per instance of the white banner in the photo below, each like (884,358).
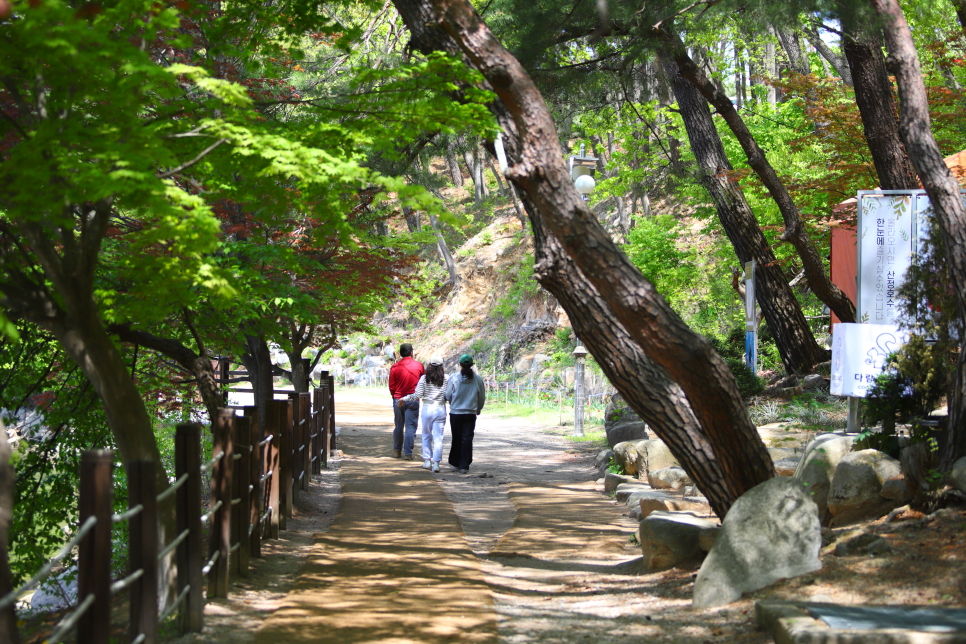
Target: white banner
(887,240)
(859,352)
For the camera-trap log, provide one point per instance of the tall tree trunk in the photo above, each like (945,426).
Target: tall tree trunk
(942,188)
(839,63)
(453,165)
(788,325)
(476,174)
(960,6)
(496,175)
(8,616)
(258,363)
(877,106)
(795,233)
(199,366)
(298,341)
(412,220)
(788,37)
(611,284)
(444,254)
(771,73)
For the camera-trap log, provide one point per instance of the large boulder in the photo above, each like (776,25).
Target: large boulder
(771,532)
(625,455)
(662,502)
(621,423)
(625,490)
(611,481)
(957,476)
(652,455)
(856,490)
(672,538)
(815,470)
(602,461)
(670,478)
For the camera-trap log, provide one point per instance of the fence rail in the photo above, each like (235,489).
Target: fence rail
(255,480)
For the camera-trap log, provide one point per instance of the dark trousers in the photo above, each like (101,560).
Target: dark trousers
(463,427)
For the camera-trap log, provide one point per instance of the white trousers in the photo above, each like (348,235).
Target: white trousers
(434,421)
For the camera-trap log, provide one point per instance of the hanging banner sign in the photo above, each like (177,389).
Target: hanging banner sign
(859,352)
(888,237)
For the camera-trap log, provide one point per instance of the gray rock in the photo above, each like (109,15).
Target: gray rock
(778,453)
(862,544)
(611,481)
(625,455)
(625,490)
(818,464)
(671,538)
(603,457)
(653,455)
(707,538)
(671,478)
(523,364)
(786,466)
(896,489)
(814,381)
(602,462)
(634,512)
(771,532)
(957,476)
(621,423)
(659,501)
(857,484)
(56,592)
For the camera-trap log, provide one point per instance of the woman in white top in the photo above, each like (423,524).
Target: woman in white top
(430,389)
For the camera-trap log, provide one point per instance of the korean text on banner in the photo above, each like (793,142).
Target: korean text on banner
(859,352)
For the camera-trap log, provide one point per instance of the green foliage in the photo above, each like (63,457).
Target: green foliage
(732,350)
(523,286)
(912,383)
(615,467)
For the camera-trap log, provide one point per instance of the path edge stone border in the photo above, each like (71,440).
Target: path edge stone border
(789,623)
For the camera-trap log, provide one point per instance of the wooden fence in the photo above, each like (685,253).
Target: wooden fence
(255,481)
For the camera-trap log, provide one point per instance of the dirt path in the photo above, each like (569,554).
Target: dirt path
(525,548)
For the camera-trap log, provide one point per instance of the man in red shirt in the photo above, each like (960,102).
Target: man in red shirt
(403,377)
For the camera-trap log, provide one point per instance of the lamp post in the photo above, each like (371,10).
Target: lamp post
(582,170)
(579,353)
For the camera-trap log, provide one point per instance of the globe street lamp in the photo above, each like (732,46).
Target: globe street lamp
(582,170)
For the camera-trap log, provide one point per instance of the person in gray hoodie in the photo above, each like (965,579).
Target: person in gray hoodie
(466,394)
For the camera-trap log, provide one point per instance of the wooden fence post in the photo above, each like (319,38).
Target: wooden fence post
(321,404)
(94,551)
(187,460)
(288,418)
(330,403)
(284,479)
(143,551)
(305,424)
(243,439)
(257,498)
(219,538)
(274,465)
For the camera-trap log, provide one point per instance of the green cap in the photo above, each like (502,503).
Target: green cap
(466,360)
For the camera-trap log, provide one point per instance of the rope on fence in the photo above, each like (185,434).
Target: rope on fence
(68,623)
(174,606)
(130,513)
(11,598)
(173,487)
(121,584)
(174,544)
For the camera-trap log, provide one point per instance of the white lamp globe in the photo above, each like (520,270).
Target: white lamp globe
(585,184)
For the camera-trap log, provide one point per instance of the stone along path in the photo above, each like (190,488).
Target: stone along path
(523,549)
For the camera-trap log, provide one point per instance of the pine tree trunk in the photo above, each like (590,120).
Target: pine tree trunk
(797,62)
(444,254)
(795,233)
(838,63)
(579,263)
(453,165)
(877,106)
(788,325)
(258,363)
(943,191)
